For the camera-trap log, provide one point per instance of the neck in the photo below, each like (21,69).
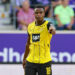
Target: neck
(65,6)
(25,10)
(38,23)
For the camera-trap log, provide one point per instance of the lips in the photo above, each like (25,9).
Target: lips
(38,17)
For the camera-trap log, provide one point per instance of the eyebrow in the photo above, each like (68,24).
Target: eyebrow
(39,9)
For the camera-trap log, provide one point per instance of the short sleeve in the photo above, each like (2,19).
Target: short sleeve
(20,16)
(72,12)
(56,11)
(49,24)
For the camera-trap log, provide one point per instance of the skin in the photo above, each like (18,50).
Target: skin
(55,3)
(69,27)
(65,4)
(25,7)
(26,51)
(39,17)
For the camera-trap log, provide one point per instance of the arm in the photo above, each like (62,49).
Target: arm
(58,20)
(23,22)
(26,51)
(57,13)
(20,19)
(72,19)
(51,28)
(71,23)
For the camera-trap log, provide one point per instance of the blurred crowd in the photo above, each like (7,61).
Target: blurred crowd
(60,12)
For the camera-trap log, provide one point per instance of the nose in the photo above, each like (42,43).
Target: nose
(39,14)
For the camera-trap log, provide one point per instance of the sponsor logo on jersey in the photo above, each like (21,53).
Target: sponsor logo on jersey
(35,37)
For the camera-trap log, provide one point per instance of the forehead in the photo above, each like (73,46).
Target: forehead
(39,10)
(25,3)
(65,0)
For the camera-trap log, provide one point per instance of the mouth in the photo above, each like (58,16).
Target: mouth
(38,17)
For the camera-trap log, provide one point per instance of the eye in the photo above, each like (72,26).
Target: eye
(40,12)
(36,12)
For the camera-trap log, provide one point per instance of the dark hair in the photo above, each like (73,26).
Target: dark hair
(63,0)
(39,6)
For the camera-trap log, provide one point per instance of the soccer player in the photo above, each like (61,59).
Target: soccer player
(37,57)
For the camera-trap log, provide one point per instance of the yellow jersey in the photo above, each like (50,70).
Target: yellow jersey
(39,43)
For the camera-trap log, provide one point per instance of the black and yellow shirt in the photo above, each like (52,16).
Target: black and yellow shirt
(39,43)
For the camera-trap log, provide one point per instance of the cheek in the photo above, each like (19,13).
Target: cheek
(43,15)
(35,15)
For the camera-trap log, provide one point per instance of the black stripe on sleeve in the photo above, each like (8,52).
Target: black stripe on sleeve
(48,25)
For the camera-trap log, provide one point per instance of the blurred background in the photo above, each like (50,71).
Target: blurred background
(16,15)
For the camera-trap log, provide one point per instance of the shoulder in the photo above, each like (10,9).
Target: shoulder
(71,9)
(31,24)
(58,7)
(49,24)
(20,11)
(31,10)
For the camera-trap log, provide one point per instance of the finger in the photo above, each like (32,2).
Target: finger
(50,31)
(23,66)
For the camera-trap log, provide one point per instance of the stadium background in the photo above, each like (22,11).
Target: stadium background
(13,40)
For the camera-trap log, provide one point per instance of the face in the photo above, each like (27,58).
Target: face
(66,2)
(26,5)
(59,2)
(39,14)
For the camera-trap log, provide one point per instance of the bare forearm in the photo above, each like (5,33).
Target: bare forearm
(26,52)
(23,23)
(72,21)
(58,20)
(25,55)
(27,48)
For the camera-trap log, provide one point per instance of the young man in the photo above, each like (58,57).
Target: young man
(37,54)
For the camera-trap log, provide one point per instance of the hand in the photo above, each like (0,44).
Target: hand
(60,25)
(26,24)
(24,28)
(24,63)
(69,27)
(52,30)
